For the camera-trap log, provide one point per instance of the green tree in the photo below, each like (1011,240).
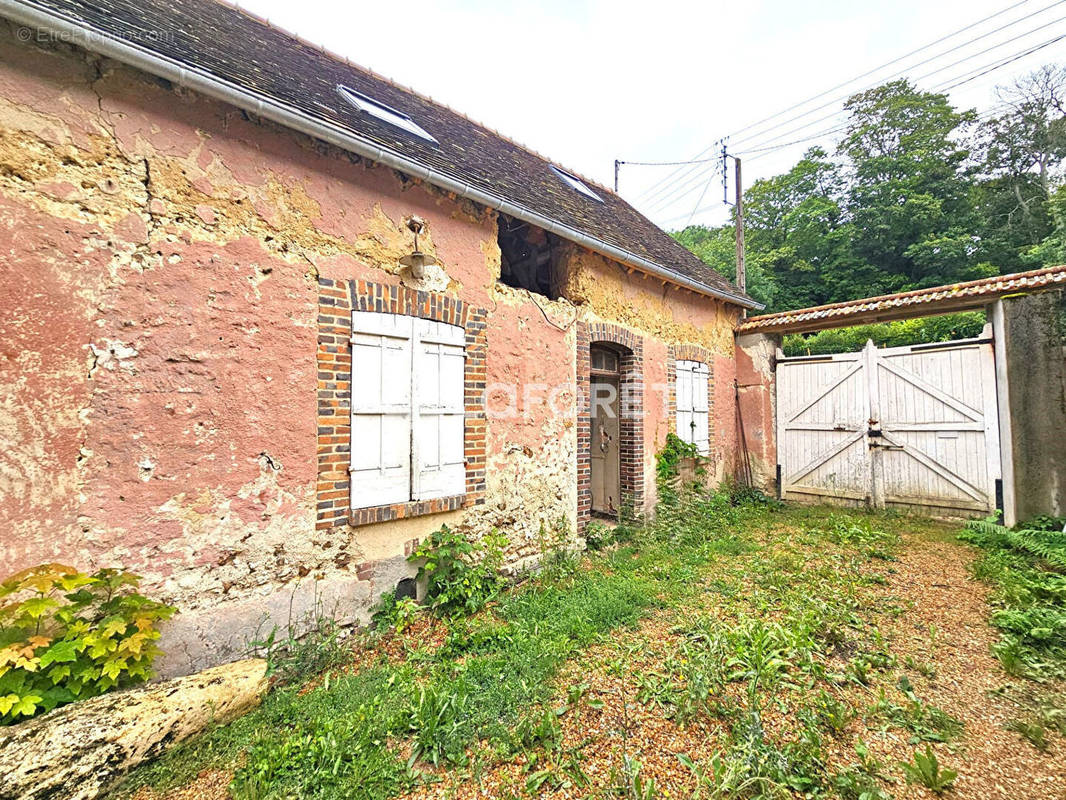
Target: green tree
(909,195)
(917,194)
(717,247)
(1022,152)
(797,233)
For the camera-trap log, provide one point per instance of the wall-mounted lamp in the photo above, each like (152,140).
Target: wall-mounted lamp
(417,261)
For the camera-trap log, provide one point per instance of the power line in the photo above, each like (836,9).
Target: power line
(965,78)
(888,64)
(693,181)
(667,163)
(674,193)
(1030,51)
(689,185)
(950,83)
(706,186)
(657,189)
(936,57)
(979,72)
(981,117)
(853,80)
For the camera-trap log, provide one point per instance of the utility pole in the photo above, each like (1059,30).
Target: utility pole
(742,272)
(617,163)
(738,203)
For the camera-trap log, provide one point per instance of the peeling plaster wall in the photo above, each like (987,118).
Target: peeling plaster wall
(161,257)
(756,365)
(664,314)
(159,280)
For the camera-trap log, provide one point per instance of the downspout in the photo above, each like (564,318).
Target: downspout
(76,32)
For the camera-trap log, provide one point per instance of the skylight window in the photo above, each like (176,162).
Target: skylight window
(575,182)
(383,112)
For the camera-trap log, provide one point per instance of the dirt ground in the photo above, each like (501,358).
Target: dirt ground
(933,618)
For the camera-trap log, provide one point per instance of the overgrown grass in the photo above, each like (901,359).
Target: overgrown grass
(793,627)
(365,735)
(775,642)
(1027,569)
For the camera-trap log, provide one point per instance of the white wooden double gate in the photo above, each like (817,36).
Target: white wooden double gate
(905,426)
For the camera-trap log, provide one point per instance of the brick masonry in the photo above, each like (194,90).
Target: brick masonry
(631,427)
(690,352)
(337,299)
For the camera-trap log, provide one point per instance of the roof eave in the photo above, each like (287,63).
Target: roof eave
(287,116)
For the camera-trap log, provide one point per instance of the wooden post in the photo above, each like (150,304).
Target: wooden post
(874,444)
(742,273)
(997,314)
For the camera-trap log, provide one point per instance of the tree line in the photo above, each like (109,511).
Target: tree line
(917,193)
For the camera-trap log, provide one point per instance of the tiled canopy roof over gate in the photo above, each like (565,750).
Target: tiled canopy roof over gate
(919,303)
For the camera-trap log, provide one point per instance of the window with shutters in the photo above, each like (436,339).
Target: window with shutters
(407,409)
(691,395)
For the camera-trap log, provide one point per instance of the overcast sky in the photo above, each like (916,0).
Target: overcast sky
(587,81)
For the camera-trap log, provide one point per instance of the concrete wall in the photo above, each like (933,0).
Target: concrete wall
(1036,380)
(756,369)
(160,285)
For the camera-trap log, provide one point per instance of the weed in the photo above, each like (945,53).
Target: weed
(67,635)
(856,784)
(1028,570)
(630,783)
(925,769)
(834,715)
(924,668)
(668,460)
(755,766)
(926,723)
(774,620)
(598,535)
(460,578)
(1033,732)
(393,613)
(303,648)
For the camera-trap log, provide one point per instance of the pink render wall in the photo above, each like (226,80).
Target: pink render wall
(161,255)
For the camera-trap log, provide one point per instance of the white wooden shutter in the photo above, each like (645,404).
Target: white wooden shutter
(683,400)
(700,410)
(440,465)
(691,390)
(381,409)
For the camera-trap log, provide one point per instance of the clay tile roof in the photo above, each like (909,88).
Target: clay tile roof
(196,40)
(921,302)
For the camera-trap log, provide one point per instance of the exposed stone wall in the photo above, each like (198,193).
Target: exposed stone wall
(669,320)
(164,260)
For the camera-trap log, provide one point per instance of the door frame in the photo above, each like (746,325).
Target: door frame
(630,347)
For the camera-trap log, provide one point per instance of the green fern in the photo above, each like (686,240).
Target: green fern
(1048,545)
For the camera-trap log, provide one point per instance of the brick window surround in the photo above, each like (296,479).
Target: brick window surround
(631,426)
(689,352)
(337,299)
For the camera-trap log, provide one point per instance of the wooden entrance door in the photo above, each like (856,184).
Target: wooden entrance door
(606,477)
(906,426)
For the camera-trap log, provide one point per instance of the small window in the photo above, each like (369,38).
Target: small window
(604,360)
(575,182)
(529,258)
(691,397)
(408,409)
(383,112)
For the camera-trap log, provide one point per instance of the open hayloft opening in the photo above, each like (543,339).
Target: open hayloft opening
(529,258)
